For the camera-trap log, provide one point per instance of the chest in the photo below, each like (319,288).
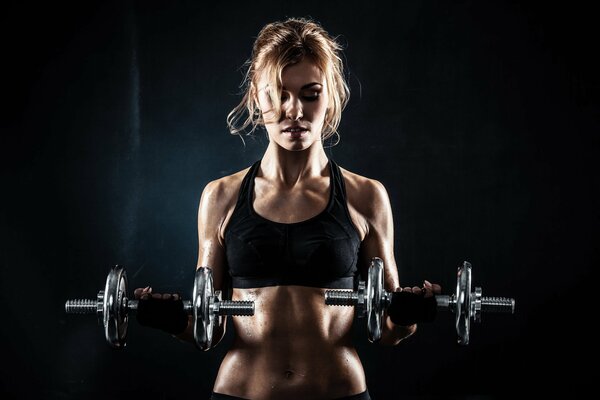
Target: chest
(303,203)
(289,206)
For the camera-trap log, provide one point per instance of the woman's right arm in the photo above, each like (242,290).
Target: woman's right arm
(212,211)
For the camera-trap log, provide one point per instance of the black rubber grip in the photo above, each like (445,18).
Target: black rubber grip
(167,315)
(409,308)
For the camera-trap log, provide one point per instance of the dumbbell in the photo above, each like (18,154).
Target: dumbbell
(112,307)
(372,300)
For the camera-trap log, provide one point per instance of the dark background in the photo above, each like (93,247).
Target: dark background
(480,118)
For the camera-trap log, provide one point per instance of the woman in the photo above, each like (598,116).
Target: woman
(291,226)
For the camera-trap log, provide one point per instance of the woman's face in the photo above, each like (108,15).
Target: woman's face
(304,102)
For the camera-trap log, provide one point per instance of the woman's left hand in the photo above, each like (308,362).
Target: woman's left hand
(411,305)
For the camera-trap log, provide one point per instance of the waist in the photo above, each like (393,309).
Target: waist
(323,372)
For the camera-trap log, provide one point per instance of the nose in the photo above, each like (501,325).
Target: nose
(293,109)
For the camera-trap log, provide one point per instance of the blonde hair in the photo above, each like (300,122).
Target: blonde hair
(278,45)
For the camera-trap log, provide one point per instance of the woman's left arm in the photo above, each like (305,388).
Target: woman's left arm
(379,242)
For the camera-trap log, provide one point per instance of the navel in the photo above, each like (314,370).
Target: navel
(289,374)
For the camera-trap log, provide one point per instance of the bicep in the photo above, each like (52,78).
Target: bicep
(379,240)
(211,252)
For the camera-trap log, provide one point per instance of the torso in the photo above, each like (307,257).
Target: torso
(294,346)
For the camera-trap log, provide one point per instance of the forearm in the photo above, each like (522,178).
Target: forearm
(392,334)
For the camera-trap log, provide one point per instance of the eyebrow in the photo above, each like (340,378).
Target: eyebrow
(308,85)
(302,88)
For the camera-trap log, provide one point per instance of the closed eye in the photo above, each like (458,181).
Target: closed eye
(312,98)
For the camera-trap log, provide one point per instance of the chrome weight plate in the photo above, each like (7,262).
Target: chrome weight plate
(463,303)
(375,299)
(113,308)
(203,299)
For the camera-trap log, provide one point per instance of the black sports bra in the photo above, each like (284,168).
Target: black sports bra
(319,252)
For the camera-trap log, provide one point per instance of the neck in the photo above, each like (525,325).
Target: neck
(288,168)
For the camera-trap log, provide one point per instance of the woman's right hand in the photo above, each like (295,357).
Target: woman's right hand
(145,293)
(161,311)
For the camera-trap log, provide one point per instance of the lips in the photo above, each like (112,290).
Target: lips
(294,128)
(296,134)
(300,130)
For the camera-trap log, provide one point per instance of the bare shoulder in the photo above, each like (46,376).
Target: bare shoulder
(218,201)
(226,188)
(364,194)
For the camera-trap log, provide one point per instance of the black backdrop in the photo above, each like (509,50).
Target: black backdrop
(480,118)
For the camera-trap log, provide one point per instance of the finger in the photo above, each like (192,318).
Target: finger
(407,289)
(141,291)
(416,290)
(427,289)
(157,296)
(144,296)
(176,296)
(437,289)
(166,296)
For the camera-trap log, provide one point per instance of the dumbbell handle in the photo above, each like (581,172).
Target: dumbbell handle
(223,307)
(488,304)
(444,302)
